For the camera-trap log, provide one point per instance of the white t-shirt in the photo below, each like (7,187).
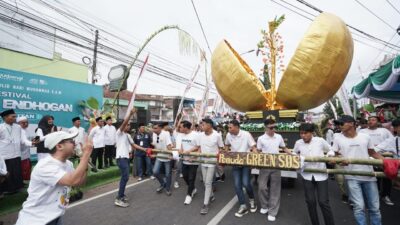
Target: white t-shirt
(356,147)
(124,144)
(315,148)
(161,142)
(210,144)
(389,145)
(178,139)
(189,141)
(97,135)
(242,142)
(271,145)
(378,135)
(47,200)
(109,135)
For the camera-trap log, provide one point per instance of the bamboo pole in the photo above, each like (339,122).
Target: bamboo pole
(371,162)
(307,170)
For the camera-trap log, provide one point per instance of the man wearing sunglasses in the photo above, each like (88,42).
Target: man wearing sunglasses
(270,143)
(162,141)
(51,179)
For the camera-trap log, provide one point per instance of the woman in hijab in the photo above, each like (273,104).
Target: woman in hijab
(45,126)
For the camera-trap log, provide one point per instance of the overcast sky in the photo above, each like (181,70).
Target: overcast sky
(237,21)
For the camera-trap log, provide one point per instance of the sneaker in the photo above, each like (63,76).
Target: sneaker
(188,200)
(125,198)
(387,200)
(180,175)
(176,184)
(139,179)
(242,211)
(168,193)
(194,192)
(94,170)
(159,189)
(271,218)
(121,203)
(204,210)
(152,177)
(263,211)
(212,198)
(253,206)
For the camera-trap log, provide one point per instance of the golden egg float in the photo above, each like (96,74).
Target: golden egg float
(314,74)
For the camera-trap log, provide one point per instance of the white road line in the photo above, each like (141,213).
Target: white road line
(221,214)
(104,194)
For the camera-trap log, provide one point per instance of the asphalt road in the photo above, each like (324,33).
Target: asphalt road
(149,208)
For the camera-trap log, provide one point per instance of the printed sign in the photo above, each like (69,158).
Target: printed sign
(34,96)
(279,161)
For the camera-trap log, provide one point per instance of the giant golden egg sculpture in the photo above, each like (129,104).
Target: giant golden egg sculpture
(314,74)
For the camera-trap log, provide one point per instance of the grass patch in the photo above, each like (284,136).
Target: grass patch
(13,203)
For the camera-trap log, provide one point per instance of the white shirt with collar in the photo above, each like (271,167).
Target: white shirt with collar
(242,142)
(160,142)
(270,145)
(11,138)
(97,135)
(315,148)
(109,135)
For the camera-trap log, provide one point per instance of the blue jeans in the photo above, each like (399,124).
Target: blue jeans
(241,178)
(139,165)
(166,180)
(357,191)
(123,164)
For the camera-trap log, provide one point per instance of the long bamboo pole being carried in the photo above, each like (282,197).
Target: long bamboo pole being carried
(371,162)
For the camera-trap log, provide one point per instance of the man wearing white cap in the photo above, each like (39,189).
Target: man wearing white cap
(51,180)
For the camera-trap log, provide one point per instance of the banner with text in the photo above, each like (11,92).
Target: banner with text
(34,96)
(278,161)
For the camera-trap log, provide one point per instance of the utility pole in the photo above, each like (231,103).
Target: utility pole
(95,56)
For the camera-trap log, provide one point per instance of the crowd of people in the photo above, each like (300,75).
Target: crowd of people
(54,174)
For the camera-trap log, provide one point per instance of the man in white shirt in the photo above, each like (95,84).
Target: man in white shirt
(52,177)
(379,135)
(76,121)
(363,191)
(210,142)
(109,141)
(97,135)
(270,143)
(189,142)
(25,150)
(241,141)
(11,138)
(124,148)
(162,141)
(315,184)
(390,145)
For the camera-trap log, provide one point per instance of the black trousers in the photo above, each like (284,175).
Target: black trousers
(108,155)
(189,175)
(385,186)
(312,189)
(97,155)
(14,180)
